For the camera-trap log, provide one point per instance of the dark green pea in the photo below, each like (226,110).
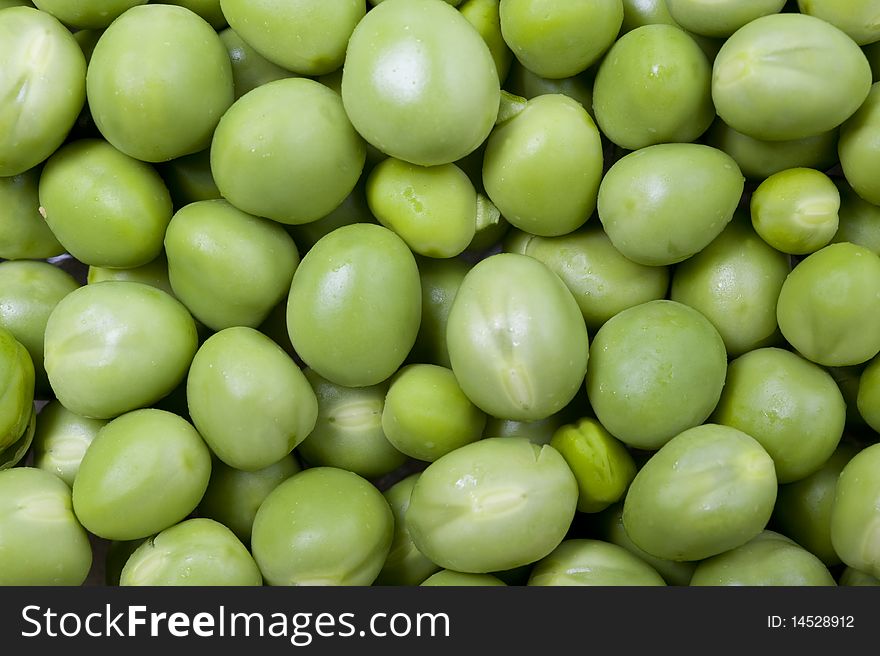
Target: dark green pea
(189,178)
(485,16)
(5,4)
(593,562)
(440,281)
(16,389)
(23,230)
(855,513)
(720,19)
(61,440)
(249,68)
(523,82)
(859,220)
(448,577)
(847,379)
(859,147)
(154,274)
(853,576)
(872,52)
(857,18)
(13,454)
(869,394)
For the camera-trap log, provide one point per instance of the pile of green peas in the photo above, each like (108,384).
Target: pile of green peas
(426,292)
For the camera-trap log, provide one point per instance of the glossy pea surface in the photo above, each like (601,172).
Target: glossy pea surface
(89,14)
(440,281)
(857,18)
(23,231)
(249,68)
(859,147)
(16,389)
(854,514)
(721,18)
(61,440)
(593,562)
(868,399)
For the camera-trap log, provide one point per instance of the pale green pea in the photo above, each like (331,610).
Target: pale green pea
(853,576)
(448,577)
(13,454)
(720,18)
(868,400)
(24,233)
(593,562)
(859,220)
(860,19)
(859,147)
(93,14)
(249,68)
(189,178)
(16,389)
(485,16)
(154,274)
(61,440)
(208,9)
(523,82)
(855,513)
(440,281)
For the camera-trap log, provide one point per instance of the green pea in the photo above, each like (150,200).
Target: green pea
(249,421)
(189,178)
(440,281)
(448,577)
(828,307)
(286,151)
(485,16)
(234,496)
(427,415)
(249,68)
(859,220)
(593,562)
(859,149)
(323,526)
(735,282)
(517,341)
(87,40)
(13,454)
(539,431)
(637,13)
(29,291)
(43,86)
(769,559)
(106,208)
(145,471)
(5,4)
(869,394)
(542,167)
(648,206)
(803,508)
(154,274)
(118,553)
(229,268)
(23,231)
(158,82)
(523,82)
(788,76)
(855,513)
(556,39)
(655,370)
(422,65)
(852,576)
(654,86)
(720,19)
(492,505)
(858,18)
(16,389)
(210,10)
(354,305)
(847,379)
(197,552)
(432,209)
(43,543)
(405,565)
(491,226)
(61,440)
(116,346)
(708,490)
(348,432)
(454,3)
(601,279)
(89,14)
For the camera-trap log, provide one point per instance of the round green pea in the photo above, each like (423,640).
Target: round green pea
(354,209)
(196,552)
(517,341)
(708,490)
(43,84)
(543,166)
(420,64)
(189,178)
(492,505)
(656,369)
(868,399)
(13,454)
(720,18)
(249,68)
(87,14)
(440,281)
(664,203)
(23,231)
(433,209)
(769,559)
(106,208)
(61,440)
(116,346)
(852,576)
(348,432)
(448,577)
(154,274)
(485,16)
(829,306)
(788,76)
(16,389)
(859,220)
(859,147)
(145,471)
(593,562)
(249,421)
(858,18)
(210,10)
(287,151)
(41,541)
(158,82)
(523,82)
(735,282)
(234,496)
(229,268)
(323,526)
(855,513)
(654,86)
(354,306)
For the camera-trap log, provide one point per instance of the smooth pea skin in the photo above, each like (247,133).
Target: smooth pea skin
(210,10)
(23,231)
(106,208)
(654,86)
(116,346)
(720,19)
(523,82)
(354,306)
(43,84)
(348,432)
(708,490)
(158,82)
(735,282)
(796,210)
(41,541)
(859,147)
(228,267)
(859,220)
(249,421)
(433,209)
(788,404)
(323,526)
(13,454)
(651,205)
(287,151)
(249,68)
(16,389)
(154,274)
(829,306)
(485,16)
(492,505)
(788,76)
(560,39)
(440,280)
(868,399)
(768,559)
(145,471)
(601,279)
(87,14)
(197,552)
(447,577)
(234,496)
(852,576)
(593,562)
(655,370)
(420,64)
(855,513)
(860,19)
(517,341)
(189,178)
(61,440)
(543,166)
